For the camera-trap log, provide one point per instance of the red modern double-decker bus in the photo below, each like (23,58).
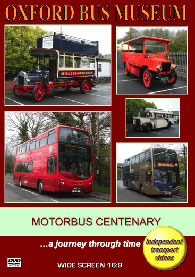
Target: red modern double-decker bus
(60,159)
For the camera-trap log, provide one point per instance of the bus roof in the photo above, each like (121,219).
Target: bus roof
(139,40)
(149,149)
(43,52)
(56,127)
(68,44)
(154,110)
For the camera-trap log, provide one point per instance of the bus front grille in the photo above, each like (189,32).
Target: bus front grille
(21,80)
(166,67)
(137,123)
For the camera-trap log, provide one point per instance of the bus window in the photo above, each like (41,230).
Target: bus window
(28,146)
(77,62)
(51,165)
(23,148)
(22,167)
(25,167)
(30,166)
(148,156)
(137,159)
(149,176)
(136,176)
(133,160)
(61,61)
(32,144)
(142,157)
(51,136)
(68,61)
(17,168)
(43,142)
(72,136)
(37,143)
(84,62)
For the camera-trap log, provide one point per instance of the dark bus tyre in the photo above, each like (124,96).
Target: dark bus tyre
(20,183)
(39,187)
(171,80)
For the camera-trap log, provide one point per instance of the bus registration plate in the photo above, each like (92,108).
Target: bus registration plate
(76,190)
(167,193)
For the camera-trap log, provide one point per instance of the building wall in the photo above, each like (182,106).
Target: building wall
(105,69)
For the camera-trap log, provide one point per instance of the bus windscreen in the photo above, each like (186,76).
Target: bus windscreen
(75,157)
(164,156)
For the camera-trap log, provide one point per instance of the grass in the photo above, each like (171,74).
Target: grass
(9,174)
(183,186)
(102,189)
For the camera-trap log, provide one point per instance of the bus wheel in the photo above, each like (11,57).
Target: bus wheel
(141,189)
(148,128)
(39,187)
(84,88)
(171,80)
(147,78)
(169,125)
(17,91)
(38,93)
(20,183)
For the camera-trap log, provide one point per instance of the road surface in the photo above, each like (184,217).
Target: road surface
(13,193)
(172,132)
(126,195)
(99,95)
(132,85)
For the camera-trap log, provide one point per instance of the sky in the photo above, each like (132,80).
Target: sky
(166,104)
(126,150)
(122,30)
(101,33)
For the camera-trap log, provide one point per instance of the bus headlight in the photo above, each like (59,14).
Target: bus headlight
(159,67)
(173,66)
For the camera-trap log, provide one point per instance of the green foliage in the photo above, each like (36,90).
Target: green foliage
(182,158)
(18,41)
(132,106)
(178,39)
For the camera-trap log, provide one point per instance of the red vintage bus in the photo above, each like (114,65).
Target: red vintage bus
(58,160)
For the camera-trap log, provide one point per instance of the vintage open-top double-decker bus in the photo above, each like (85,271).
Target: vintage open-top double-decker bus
(63,61)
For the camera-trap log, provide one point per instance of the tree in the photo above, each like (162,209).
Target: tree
(24,126)
(132,106)
(9,160)
(182,157)
(18,41)
(178,40)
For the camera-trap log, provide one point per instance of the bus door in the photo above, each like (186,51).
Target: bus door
(52,68)
(160,121)
(153,118)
